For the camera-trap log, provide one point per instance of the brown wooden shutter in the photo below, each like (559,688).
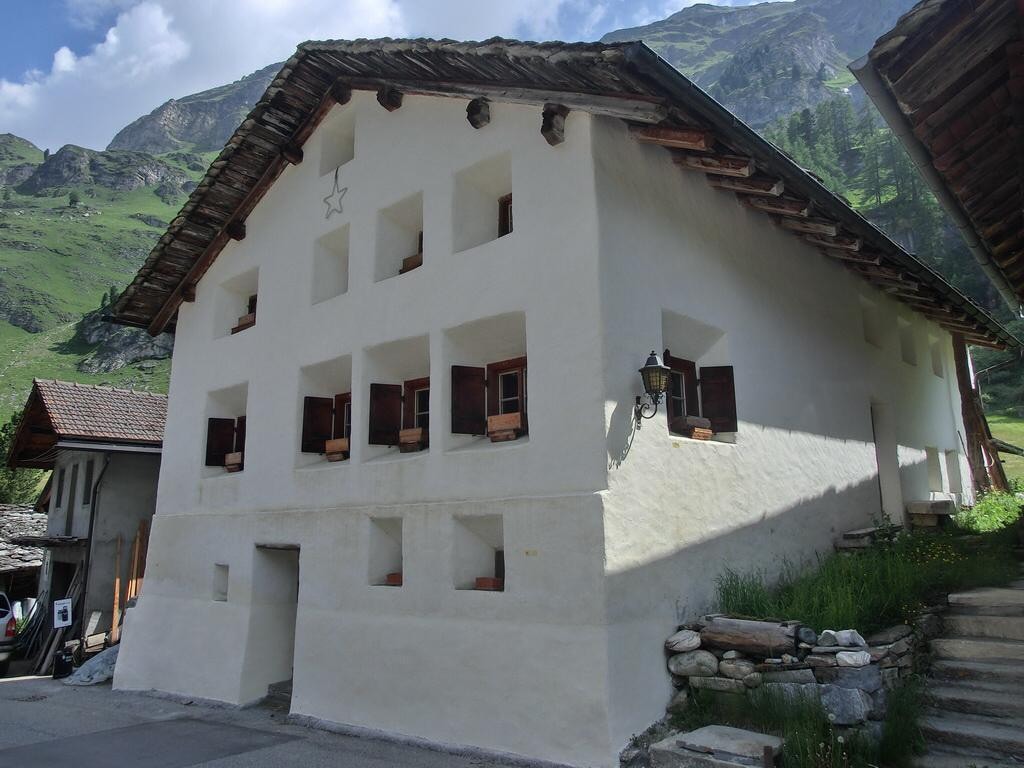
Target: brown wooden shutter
(504,215)
(689,370)
(469,403)
(718,397)
(252,304)
(316,423)
(340,401)
(220,440)
(385,413)
(240,434)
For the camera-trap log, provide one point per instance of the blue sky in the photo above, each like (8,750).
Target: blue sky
(76,71)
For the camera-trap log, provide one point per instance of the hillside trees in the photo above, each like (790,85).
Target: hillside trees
(17,486)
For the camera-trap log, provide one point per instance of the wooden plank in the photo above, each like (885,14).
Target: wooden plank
(786,206)
(853,256)
(810,226)
(754,185)
(675,137)
(839,242)
(723,165)
(115,629)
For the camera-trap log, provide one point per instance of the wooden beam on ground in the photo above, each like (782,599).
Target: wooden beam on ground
(723,165)
(810,226)
(552,124)
(674,137)
(754,185)
(634,108)
(478,112)
(786,206)
(839,242)
(389,97)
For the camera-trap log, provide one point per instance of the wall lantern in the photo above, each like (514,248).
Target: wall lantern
(655,375)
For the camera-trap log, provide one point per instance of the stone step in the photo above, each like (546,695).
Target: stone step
(967,731)
(996,627)
(992,601)
(958,697)
(977,649)
(983,672)
(958,759)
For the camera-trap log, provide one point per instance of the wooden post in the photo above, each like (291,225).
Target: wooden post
(115,630)
(978,436)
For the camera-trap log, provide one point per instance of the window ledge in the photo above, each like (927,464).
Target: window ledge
(720,438)
(394,455)
(483,444)
(221,475)
(322,466)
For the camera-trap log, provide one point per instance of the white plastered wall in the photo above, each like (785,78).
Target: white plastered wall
(802,466)
(521,671)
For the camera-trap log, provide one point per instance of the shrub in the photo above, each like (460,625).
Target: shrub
(992,512)
(882,585)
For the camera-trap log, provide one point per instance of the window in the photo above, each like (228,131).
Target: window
(400,414)
(248,320)
(323,419)
(385,556)
(87,486)
(908,348)
(421,408)
(703,399)
(505,215)
(225,443)
(69,518)
(60,487)
(935,349)
(330,265)
(235,305)
(480,394)
(479,552)
(220,582)
(399,238)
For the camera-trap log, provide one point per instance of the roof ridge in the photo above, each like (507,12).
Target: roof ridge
(100,387)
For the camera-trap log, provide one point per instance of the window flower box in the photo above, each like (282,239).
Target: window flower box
(409,263)
(489,584)
(245,321)
(393,579)
(233,462)
(337,449)
(505,426)
(694,427)
(412,440)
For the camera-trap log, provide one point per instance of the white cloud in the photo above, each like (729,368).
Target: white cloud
(161,49)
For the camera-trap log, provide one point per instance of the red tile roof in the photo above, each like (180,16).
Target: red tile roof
(103,413)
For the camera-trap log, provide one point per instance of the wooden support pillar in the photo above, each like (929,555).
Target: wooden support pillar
(986,470)
(552,125)
(390,98)
(478,112)
(115,629)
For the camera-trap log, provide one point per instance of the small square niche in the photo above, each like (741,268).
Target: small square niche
(235,307)
(399,238)
(908,349)
(935,351)
(934,465)
(479,550)
(338,139)
(330,265)
(871,322)
(220,582)
(480,192)
(385,551)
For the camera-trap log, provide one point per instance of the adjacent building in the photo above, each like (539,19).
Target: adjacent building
(404,469)
(102,446)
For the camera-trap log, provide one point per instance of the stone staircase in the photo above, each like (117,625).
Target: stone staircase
(975,699)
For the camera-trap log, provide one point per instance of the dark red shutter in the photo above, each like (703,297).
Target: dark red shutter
(220,440)
(504,215)
(240,434)
(492,389)
(316,423)
(340,401)
(718,397)
(689,371)
(469,404)
(385,413)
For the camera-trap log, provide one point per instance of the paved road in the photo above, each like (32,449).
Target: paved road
(46,723)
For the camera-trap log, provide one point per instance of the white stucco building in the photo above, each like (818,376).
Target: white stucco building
(356,578)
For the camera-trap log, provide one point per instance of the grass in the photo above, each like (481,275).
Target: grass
(1010,429)
(811,740)
(874,588)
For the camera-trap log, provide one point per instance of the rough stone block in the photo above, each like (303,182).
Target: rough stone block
(899,647)
(720,684)
(845,706)
(683,640)
(853,658)
(732,655)
(737,669)
(890,678)
(868,679)
(890,635)
(693,663)
(820,660)
(794,691)
(753,680)
(790,676)
(850,638)
(929,625)
(879,704)
(826,649)
(679,702)
(827,638)
(713,746)
(807,635)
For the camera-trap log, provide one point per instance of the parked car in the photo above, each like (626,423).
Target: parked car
(9,627)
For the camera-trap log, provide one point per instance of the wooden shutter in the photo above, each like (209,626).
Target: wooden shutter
(220,440)
(240,434)
(252,305)
(469,403)
(316,423)
(718,397)
(340,401)
(504,215)
(385,413)
(689,371)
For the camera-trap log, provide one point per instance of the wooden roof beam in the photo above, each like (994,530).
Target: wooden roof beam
(552,124)
(810,226)
(389,97)
(839,242)
(723,165)
(680,137)
(754,185)
(853,256)
(783,206)
(478,112)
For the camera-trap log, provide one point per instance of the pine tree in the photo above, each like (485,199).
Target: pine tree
(17,486)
